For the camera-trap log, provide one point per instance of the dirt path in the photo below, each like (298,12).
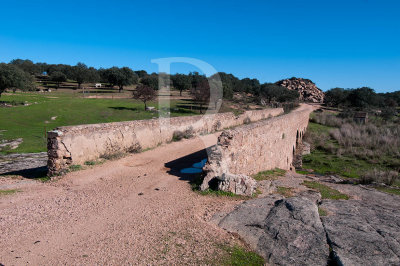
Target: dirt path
(98,215)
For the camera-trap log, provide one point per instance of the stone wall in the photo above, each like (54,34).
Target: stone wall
(79,144)
(260,146)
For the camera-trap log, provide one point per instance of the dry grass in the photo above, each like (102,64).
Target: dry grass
(376,142)
(368,141)
(380,176)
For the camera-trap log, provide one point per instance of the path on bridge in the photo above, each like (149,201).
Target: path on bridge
(128,210)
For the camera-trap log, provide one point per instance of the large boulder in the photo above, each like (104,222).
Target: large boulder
(307,89)
(284,231)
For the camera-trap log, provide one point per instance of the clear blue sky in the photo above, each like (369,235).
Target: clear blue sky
(334,43)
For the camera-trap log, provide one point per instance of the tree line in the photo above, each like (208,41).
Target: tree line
(364,98)
(19,74)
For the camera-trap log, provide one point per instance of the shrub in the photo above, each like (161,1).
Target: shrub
(136,148)
(327,119)
(75,167)
(189,133)
(370,141)
(113,156)
(217,125)
(177,135)
(380,176)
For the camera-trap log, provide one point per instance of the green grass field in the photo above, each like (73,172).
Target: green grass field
(32,122)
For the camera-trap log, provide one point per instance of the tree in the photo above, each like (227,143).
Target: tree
(250,86)
(181,82)
(119,76)
(66,69)
(144,93)
(141,73)
(151,81)
(26,65)
(15,78)
(164,80)
(363,98)
(388,112)
(126,77)
(93,75)
(273,92)
(336,96)
(201,94)
(395,96)
(230,84)
(58,77)
(80,73)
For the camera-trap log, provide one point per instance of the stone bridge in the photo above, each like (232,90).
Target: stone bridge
(249,149)
(75,145)
(260,140)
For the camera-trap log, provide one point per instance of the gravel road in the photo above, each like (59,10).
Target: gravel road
(128,211)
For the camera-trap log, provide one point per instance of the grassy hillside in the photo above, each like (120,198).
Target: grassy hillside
(47,111)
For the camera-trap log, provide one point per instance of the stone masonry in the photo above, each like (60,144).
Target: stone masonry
(249,149)
(77,144)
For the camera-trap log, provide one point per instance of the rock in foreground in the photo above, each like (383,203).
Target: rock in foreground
(362,233)
(285,231)
(289,231)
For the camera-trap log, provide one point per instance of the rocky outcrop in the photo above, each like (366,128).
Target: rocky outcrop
(307,89)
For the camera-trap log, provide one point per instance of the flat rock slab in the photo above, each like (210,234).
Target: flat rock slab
(248,218)
(15,163)
(293,234)
(364,232)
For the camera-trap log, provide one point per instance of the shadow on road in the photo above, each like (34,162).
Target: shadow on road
(185,167)
(32,173)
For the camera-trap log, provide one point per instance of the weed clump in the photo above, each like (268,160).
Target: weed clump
(326,192)
(113,156)
(269,174)
(179,135)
